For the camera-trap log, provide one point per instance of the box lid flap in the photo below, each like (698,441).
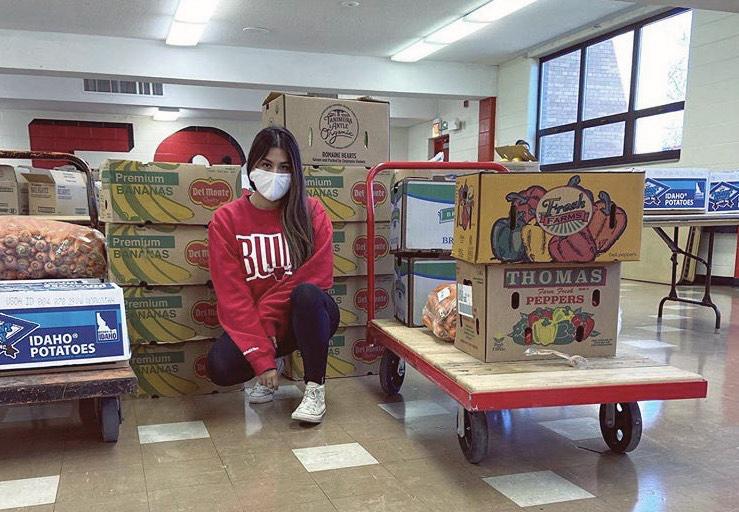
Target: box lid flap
(37,177)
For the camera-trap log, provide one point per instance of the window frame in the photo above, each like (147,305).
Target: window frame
(630,117)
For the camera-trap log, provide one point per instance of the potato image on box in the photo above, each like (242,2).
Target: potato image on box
(342,192)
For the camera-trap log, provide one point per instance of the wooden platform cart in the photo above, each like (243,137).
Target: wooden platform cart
(97,387)
(617,384)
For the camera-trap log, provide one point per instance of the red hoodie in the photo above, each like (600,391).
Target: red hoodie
(253,277)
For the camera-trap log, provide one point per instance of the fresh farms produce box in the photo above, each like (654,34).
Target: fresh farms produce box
(61,323)
(163,193)
(422,216)
(55,192)
(350,249)
(350,293)
(676,190)
(157,254)
(415,278)
(505,309)
(724,192)
(342,192)
(11,200)
(174,369)
(171,314)
(548,217)
(333,131)
(349,355)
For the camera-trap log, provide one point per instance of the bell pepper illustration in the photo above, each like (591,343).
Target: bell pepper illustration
(465,205)
(585,321)
(565,333)
(506,240)
(562,315)
(574,181)
(575,248)
(536,242)
(537,315)
(608,222)
(544,331)
(526,201)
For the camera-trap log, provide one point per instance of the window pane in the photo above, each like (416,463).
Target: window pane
(662,132)
(558,148)
(608,76)
(663,61)
(603,141)
(559,84)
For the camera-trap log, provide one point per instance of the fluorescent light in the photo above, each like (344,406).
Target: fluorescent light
(416,51)
(454,32)
(195,11)
(185,34)
(166,114)
(496,10)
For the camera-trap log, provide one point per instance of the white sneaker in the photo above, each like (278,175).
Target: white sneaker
(313,407)
(262,394)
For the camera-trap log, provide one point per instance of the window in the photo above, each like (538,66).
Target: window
(617,99)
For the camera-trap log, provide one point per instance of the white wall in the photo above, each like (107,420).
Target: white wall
(398,144)
(462,143)
(515,116)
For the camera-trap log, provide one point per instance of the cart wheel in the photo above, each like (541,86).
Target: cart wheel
(472,432)
(392,372)
(88,411)
(620,424)
(110,418)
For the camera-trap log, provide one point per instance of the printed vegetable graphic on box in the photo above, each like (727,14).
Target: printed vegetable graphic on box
(554,326)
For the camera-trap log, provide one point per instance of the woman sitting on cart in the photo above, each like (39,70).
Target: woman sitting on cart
(271,260)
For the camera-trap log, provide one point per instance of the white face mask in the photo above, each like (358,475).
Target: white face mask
(272,185)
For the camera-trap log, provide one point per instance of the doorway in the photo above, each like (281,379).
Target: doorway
(441,144)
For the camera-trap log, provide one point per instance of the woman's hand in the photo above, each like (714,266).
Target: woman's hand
(269,379)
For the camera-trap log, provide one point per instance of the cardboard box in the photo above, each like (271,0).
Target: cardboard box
(333,131)
(342,192)
(350,249)
(423,215)
(171,314)
(349,355)
(10,200)
(415,279)
(350,293)
(174,369)
(55,192)
(163,193)
(22,192)
(504,309)
(157,254)
(61,323)
(548,217)
(724,192)
(676,190)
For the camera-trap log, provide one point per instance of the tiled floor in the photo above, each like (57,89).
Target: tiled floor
(213,453)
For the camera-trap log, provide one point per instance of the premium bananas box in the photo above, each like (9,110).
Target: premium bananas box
(174,369)
(61,323)
(349,355)
(415,279)
(350,293)
(164,193)
(422,216)
(505,309)
(157,254)
(342,192)
(350,249)
(171,314)
(548,217)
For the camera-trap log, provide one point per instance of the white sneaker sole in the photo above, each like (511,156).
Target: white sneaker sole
(309,418)
(260,399)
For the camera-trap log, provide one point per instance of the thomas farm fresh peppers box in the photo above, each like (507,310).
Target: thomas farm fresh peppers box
(341,190)
(504,309)
(548,217)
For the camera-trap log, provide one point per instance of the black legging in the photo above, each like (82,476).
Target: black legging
(313,315)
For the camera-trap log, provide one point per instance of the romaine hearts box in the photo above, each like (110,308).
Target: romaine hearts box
(548,217)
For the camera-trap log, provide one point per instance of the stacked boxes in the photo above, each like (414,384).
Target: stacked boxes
(157,241)
(339,140)
(539,260)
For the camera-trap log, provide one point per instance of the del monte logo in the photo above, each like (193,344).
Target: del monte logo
(210,193)
(564,210)
(205,313)
(359,193)
(196,253)
(339,126)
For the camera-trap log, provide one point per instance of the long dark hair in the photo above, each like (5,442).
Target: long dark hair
(296,221)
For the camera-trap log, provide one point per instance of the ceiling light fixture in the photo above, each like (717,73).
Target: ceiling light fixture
(166,114)
(454,32)
(350,4)
(189,22)
(497,9)
(416,51)
(260,30)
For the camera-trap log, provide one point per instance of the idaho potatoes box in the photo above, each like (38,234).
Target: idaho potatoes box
(171,314)
(349,355)
(61,323)
(548,217)
(342,192)
(422,216)
(350,249)
(415,279)
(724,193)
(676,190)
(164,193)
(504,309)
(350,294)
(157,254)
(174,369)
(333,131)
